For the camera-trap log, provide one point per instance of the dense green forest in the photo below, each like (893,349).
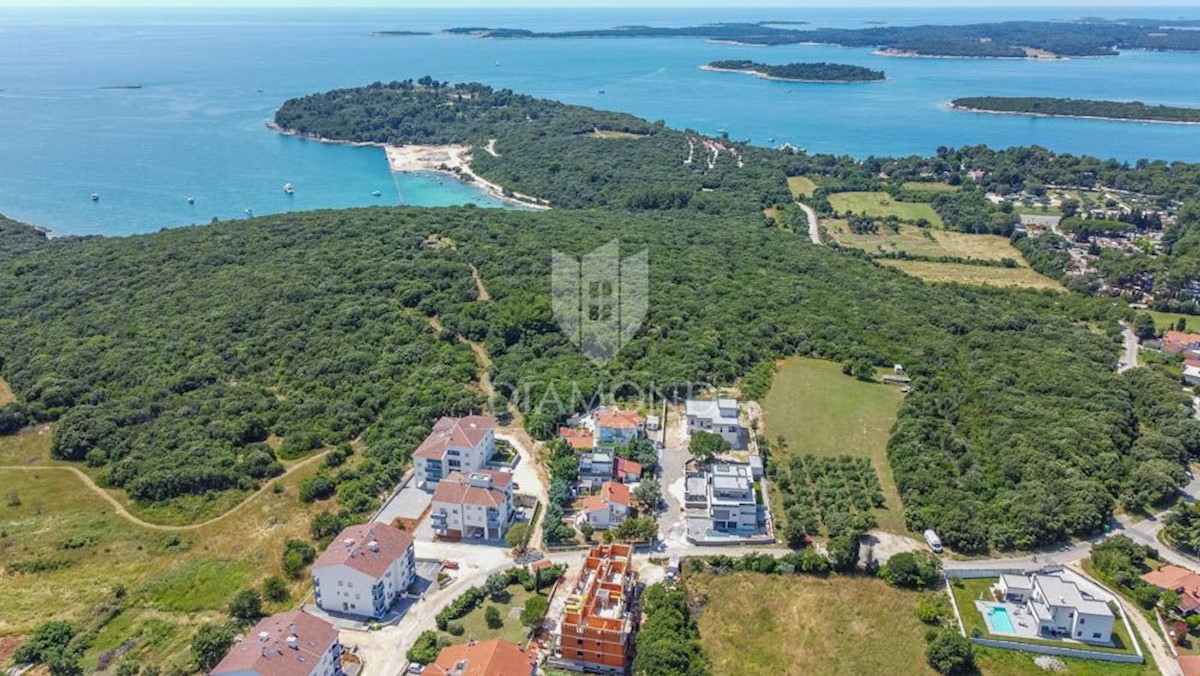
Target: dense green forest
(1004,40)
(803,72)
(1116,110)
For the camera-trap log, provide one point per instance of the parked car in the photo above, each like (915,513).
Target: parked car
(450,565)
(934,542)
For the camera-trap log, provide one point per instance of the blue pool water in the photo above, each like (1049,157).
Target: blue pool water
(1000,621)
(211,79)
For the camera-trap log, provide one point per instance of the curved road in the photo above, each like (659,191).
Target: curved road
(125,514)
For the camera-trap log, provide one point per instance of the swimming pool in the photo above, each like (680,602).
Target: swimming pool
(999,620)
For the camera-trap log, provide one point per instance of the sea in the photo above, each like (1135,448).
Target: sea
(147,108)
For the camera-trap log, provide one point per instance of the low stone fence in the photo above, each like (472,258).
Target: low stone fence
(1058,651)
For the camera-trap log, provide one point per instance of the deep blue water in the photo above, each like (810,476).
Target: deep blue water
(212,79)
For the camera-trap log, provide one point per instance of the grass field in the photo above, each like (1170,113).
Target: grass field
(475,626)
(977,275)
(931,186)
(1023,210)
(926,242)
(757,624)
(610,134)
(1162,321)
(175,580)
(995,662)
(6,393)
(801,186)
(880,204)
(821,411)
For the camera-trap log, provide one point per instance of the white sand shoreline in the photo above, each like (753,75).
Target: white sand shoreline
(984,111)
(453,160)
(764,76)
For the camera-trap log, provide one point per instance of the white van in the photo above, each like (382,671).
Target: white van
(934,542)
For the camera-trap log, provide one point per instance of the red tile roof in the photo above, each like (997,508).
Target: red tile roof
(615,418)
(1178,341)
(486,658)
(611,493)
(1190,664)
(454,433)
(352,547)
(628,468)
(265,649)
(457,489)
(579,439)
(1177,579)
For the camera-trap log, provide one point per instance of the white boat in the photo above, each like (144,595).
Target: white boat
(289,188)
(249,211)
(95,197)
(191,200)
(376,193)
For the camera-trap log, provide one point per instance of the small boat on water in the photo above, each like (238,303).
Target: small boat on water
(95,197)
(249,211)
(289,188)
(376,193)
(191,200)
(600,91)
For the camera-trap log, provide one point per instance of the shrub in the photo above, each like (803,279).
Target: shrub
(275,589)
(455,628)
(535,610)
(950,653)
(246,606)
(50,638)
(912,570)
(426,648)
(492,616)
(210,644)
(296,555)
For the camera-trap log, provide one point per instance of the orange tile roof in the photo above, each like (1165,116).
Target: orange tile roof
(1190,664)
(454,433)
(628,467)
(615,492)
(615,418)
(1178,341)
(579,439)
(457,489)
(352,548)
(486,658)
(265,649)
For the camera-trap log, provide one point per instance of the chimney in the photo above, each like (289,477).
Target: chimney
(373,546)
(293,642)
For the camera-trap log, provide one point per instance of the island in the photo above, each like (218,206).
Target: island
(1128,111)
(1001,40)
(799,72)
(398,34)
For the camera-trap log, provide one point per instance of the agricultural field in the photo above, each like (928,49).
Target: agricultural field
(801,186)
(840,625)
(925,242)
(820,411)
(175,578)
(881,204)
(975,275)
(816,489)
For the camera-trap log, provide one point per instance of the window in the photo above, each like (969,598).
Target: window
(1082,620)
(1096,635)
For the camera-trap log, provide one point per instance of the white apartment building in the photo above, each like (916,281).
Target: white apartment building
(454,445)
(364,570)
(475,505)
(288,644)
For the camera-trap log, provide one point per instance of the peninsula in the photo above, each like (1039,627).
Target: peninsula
(799,72)
(1128,111)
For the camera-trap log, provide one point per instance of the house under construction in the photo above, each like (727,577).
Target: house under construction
(595,633)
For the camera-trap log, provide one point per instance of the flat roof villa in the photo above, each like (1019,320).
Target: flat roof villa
(718,416)
(723,503)
(1050,606)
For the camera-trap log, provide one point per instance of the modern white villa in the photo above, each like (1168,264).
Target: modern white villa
(364,570)
(454,445)
(721,498)
(474,505)
(1053,606)
(718,416)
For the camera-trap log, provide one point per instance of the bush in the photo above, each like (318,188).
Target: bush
(950,653)
(246,606)
(296,555)
(535,610)
(317,487)
(929,612)
(426,648)
(465,603)
(275,589)
(912,570)
(49,639)
(210,644)
(455,628)
(492,616)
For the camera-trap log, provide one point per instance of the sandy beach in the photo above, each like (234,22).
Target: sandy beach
(453,159)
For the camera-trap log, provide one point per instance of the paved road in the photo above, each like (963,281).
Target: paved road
(814,229)
(1129,359)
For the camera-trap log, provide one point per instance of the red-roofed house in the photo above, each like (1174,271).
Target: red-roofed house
(628,471)
(475,505)
(364,569)
(288,644)
(608,508)
(484,658)
(1174,342)
(1181,581)
(615,427)
(579,439)
(454,445)
(1190,665)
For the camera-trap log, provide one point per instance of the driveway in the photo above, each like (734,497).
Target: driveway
(1129,359)
(674,456)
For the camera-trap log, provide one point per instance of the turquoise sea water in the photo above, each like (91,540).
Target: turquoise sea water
(212,79)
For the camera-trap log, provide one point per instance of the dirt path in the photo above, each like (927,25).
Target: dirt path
(125,513)
(481,290)
(490,148)
(814,229)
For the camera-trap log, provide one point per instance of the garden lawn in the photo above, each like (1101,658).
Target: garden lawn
(976,275)
(1163,321)
(475,626)
(881,204)
(820,411)
(841,625)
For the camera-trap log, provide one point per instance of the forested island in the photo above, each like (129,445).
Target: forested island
(1084,108)
(800,72)
(1010,39)
(313,329)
